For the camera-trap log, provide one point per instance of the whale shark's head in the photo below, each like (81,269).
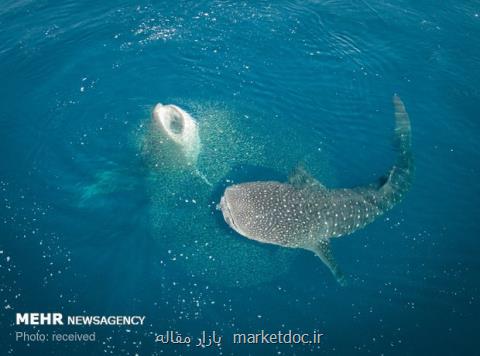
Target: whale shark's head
(255,209)
(180,128)
(171,120)
(231,211)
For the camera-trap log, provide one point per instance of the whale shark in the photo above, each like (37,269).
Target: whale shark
(181,132)
(303,213)
(182,129)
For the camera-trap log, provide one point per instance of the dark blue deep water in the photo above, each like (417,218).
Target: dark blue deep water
(97,220)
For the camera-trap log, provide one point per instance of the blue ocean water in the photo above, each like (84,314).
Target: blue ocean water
(96,221)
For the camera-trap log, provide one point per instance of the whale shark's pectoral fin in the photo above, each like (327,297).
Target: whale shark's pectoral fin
(323,251)
(300,178)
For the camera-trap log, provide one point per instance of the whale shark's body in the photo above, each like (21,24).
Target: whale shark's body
(302,213)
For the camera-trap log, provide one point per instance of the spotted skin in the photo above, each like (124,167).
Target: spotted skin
(302,213)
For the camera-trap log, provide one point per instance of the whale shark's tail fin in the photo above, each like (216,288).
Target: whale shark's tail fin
(400,176)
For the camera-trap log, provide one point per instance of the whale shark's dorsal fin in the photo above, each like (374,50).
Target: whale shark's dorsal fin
(323,251)
(300,178)
(380,182)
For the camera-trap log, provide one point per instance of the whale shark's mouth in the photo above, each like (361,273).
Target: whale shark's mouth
(172,121)
(227,214)
(175,122)
(176,126)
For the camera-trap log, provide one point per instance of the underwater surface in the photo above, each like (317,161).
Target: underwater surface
(98,219)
